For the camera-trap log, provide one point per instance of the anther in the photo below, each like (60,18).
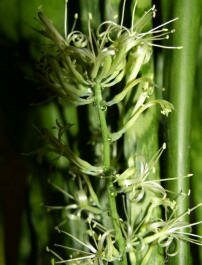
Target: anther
(90,16)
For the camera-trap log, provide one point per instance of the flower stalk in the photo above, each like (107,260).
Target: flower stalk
(101,109)
(105,70)
(106,162)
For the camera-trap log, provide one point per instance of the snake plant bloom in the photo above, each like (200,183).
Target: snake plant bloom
(136,228)
(103,68)
(134,180)
(168,232)
(143,235)
(101,251)
(83,201)
(78,61)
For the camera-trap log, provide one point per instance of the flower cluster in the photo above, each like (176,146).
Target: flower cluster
(84,69)
(80,61)
(141,229)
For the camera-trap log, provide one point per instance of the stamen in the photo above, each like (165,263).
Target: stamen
(90,33)
(76,259)
(98,225)
(124,207)
(62,191)
(103,36)
(92,236)
(165,47)
(90,247)
(75,21)
(155,158)
(160,36)
(65,19)
(54,253)
(189,225)
(133,16)
(188,211)
(154,11)
(123,12)
(162,25)
(190,234)
(70,248)
(144,19)
(174,178)
(160,31)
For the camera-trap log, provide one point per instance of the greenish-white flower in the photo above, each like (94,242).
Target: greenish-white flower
(80,61)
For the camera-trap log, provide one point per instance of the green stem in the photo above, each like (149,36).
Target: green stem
(103,123)
(196,150)
(180,85)
(106,161)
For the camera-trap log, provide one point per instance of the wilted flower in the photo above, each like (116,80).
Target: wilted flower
(58,147)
